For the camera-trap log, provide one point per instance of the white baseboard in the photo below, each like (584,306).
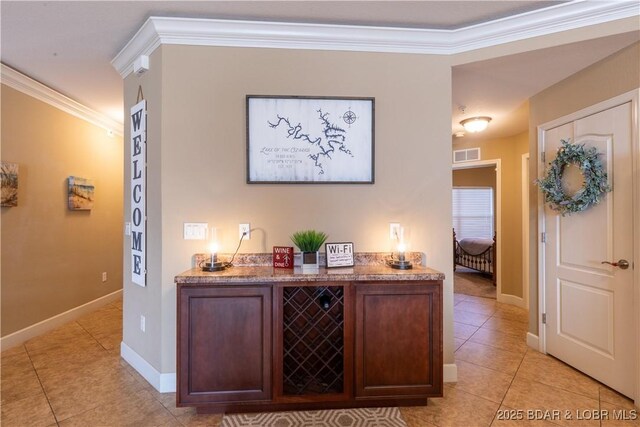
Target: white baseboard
(164,383)
(533,341)
(450,373)
(512,300)
(19,337)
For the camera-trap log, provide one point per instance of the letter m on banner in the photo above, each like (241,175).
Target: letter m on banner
(138,193)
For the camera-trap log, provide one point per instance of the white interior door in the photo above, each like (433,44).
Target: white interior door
(589,305)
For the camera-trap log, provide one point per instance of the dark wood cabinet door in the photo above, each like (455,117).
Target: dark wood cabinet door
(398,340)
(224,344)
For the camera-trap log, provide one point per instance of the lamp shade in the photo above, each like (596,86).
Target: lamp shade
(476,124)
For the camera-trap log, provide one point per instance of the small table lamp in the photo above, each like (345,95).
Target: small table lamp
(400,263)
(214,264)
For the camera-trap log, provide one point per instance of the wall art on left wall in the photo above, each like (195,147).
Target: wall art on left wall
(9,176)
(80,194)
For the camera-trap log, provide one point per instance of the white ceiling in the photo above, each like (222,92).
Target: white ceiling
(500,87)
(68,45)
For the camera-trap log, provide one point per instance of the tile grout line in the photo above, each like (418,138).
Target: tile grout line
(41,385)
(600,404)
(496,371)
(91,335)
(567,390)
(490,346)
(514,374)
(93,407)
(563,389)
(496,315)
(513,378)
(467,340)
(478,397)
(166,408)
(468,324)
(157,399)
(492,369)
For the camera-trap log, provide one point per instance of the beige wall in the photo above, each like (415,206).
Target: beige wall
(509,151)
(197,147)
(53,258)
(615,75)
(147,301)
(475,177)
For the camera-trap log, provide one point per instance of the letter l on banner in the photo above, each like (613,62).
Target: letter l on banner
(138,193)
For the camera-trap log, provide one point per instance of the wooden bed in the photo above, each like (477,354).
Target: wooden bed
(476,254)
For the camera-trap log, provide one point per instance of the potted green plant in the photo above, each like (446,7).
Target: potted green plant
(309,242)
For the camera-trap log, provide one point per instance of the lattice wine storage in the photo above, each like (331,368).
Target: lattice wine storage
(313,340)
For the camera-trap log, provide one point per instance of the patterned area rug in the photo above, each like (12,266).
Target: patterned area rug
(361,417)
(469,282)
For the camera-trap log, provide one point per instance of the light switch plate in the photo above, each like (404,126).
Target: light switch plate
(195,230)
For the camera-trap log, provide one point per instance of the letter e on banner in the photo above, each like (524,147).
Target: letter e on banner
(138,193)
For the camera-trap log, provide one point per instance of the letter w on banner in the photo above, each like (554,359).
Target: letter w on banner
(138,193)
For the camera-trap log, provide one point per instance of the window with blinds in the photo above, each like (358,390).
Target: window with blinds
(473,212)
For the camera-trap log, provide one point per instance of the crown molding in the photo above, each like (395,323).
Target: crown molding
(144,42)
(35,89)
(157,31)
(561,17)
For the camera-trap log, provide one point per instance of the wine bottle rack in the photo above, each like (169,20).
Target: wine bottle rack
(313,340)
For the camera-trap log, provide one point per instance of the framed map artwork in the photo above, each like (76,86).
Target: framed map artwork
(310,140)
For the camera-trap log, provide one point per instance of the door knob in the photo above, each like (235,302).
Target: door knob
(623,263)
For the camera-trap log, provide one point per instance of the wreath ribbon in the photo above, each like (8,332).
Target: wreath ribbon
(595,179)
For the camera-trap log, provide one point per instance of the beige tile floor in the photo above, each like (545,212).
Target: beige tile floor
(499,376)
(73,376)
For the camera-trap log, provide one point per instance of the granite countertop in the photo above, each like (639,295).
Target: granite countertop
(268,274)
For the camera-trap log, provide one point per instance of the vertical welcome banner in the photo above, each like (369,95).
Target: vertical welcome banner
(138,193)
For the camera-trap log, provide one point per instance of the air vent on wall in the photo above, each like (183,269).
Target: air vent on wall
(468,155)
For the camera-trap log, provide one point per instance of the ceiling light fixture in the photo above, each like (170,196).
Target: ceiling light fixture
(476,124)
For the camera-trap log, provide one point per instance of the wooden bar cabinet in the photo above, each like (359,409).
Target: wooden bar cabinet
(264,342)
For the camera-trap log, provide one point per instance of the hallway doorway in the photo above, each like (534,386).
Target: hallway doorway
(476,228)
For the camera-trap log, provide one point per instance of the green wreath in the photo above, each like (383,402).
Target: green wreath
(595,179)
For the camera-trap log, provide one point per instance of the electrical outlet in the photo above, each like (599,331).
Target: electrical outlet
(394,230)
(104,276)
(127,229)
(244,228)
(143,323)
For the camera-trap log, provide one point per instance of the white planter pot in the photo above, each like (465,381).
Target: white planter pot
(310,260)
